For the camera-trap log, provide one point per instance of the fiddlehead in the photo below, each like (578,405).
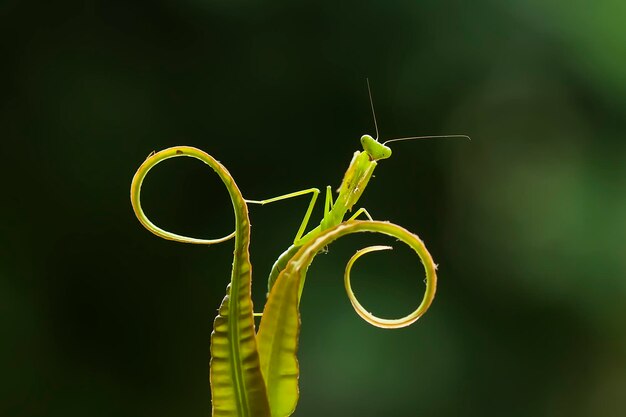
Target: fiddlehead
(237,385)
(279,330)
(142,172)
(304,257)
(388,323)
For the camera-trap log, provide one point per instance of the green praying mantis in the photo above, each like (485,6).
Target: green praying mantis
(255,373)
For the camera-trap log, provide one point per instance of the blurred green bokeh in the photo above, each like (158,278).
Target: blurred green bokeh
(527,221)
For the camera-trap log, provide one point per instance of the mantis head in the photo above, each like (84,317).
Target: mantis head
(375,149)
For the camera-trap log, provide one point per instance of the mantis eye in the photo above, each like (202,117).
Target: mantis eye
(375,149)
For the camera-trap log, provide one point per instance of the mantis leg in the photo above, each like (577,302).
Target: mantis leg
(328,203)
(309,210)
(359,212)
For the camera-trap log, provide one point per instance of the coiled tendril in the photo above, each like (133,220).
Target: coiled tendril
(140,175)
(377,321)
(304,257)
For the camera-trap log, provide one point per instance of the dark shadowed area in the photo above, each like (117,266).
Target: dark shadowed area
(527,221)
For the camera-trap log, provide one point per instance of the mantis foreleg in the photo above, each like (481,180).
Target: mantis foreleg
(328,204)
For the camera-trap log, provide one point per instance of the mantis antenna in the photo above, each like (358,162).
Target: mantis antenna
(369,91)
(428,137)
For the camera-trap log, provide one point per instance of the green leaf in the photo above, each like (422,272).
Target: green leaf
(278,345)
(237,385)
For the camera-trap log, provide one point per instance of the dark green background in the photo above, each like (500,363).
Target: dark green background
(100,318)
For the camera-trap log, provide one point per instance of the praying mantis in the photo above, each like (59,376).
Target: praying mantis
(255,373)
